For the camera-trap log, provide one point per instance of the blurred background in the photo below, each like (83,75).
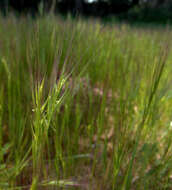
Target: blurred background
(129,10)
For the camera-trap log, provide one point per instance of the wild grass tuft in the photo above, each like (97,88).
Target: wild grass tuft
(84,105)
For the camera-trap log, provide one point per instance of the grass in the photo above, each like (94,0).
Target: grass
(84,106)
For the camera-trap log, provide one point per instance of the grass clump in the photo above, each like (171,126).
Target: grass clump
(84,106)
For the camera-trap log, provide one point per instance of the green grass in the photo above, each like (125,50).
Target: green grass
(84,106)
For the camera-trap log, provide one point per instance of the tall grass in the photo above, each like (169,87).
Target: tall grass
(84,106)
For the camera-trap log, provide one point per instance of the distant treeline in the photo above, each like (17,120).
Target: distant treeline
(134,9)
(93,7)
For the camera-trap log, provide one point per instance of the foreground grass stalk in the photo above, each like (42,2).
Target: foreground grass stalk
(43,114)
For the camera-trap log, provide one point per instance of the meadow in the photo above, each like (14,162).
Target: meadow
(84,106)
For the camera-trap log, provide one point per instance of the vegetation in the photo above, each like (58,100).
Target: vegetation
(74,6)
(132,11)
(156,11)
(84,106)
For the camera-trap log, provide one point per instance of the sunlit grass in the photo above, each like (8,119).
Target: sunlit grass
(84,105)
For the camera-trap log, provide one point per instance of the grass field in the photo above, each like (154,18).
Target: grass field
(84,106)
